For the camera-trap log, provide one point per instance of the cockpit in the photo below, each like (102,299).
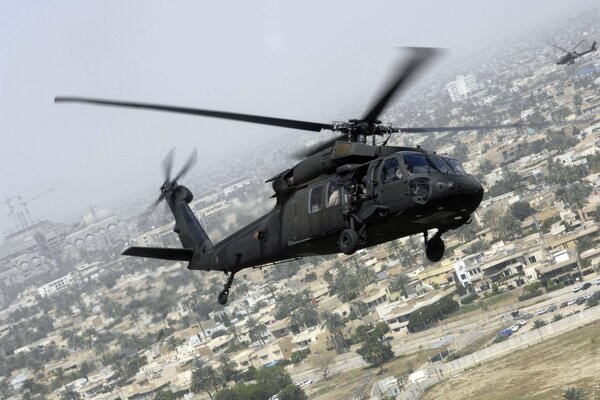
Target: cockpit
(419,163)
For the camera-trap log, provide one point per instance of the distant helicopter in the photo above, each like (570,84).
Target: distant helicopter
(570,56)
(343,196)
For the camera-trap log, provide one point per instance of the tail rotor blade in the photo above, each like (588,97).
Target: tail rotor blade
(188,165)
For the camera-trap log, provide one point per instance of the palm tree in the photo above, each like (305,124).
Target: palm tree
(256,330)
(334,324)
(328,277)
(365,276)
(204,378)
(228,368)
(347,285)
(233,330)
(243,287)
(398,284)
(360,308)
(308,315)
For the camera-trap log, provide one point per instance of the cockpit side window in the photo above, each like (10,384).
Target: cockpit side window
(416,163)
(391,170)
(315,201)
(333,194)
(456,166)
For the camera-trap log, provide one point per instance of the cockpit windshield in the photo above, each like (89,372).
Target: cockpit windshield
(456,166)
(426,163)
(439,163)
(417,163)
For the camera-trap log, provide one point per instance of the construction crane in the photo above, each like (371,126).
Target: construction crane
(22,217)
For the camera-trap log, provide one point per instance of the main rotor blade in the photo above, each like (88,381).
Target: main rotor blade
(467,128)
(560,48)
(255,119)
(187,166)
(317,147)
(419,57)
(576,46)
(167,164)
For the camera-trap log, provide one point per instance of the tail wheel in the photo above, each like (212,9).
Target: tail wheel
(434,250)
(348,241)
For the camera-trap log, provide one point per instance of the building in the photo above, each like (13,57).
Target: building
(56,285)
(385,389)
(460,88)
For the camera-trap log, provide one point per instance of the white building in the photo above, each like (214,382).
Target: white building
(460,88)
(56,285)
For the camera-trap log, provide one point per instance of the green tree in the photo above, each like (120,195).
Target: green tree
(509,227)
(228,367)
(521,210)
(375,351)
(335,324)
(204,378)
(256,330)
(538,323)
(165,395)
(573,393)
(398,284)
(292,392)
(307,315)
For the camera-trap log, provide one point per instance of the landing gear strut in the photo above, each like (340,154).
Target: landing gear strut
(222,299)
(434,247)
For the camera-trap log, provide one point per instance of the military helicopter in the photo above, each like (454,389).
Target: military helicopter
(570,56)
(344,195)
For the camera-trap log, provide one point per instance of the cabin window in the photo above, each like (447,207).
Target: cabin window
(333,194)
(391,170)
(315,199)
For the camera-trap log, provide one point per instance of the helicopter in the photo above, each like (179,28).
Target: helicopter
(570,56)
(346,194)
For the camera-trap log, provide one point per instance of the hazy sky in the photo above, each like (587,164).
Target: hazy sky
(306,60)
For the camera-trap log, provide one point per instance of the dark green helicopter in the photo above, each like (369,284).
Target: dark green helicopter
(345,195)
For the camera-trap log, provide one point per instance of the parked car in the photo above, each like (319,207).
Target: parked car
(515,328)
(577,288)
(542,311)
(551,308)
(522,322)
(586,286)
(505,332)
(564,304)
(598,281)
(572,301)
(580,300)
(527,316)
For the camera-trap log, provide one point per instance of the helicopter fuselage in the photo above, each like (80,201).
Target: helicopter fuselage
(392,196)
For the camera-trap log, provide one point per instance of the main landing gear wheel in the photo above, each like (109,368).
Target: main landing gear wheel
(434,249)
(222,299)
(348,241)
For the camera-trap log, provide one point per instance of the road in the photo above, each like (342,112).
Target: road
(455,335)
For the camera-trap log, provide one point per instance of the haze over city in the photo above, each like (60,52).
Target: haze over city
(410,211)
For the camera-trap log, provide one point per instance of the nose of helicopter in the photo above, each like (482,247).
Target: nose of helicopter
(469,193)
(460,194)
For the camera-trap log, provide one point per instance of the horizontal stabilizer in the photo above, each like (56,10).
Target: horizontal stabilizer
(161,253)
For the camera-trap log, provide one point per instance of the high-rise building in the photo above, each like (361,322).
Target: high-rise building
(460,88)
